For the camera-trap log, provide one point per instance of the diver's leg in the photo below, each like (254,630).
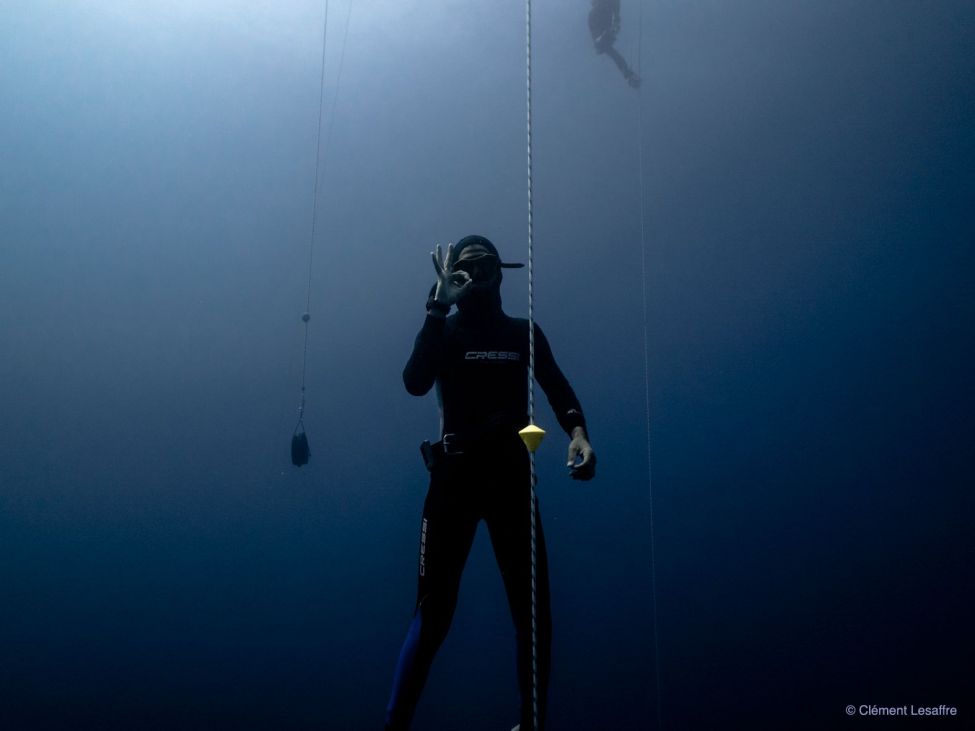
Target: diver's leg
(510,528)
(446,534)
(624,68)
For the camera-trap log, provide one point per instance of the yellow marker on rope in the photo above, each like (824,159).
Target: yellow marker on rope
(532,436)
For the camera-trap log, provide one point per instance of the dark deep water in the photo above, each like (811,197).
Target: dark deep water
(810,173)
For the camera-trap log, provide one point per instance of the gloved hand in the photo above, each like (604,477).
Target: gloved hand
(579,448)
(451,285)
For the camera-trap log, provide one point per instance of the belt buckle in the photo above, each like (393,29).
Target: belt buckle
(448,441)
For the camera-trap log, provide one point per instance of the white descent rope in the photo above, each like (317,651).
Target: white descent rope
(531,359)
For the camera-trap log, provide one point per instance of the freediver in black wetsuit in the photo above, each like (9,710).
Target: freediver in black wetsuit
(604,25)
(478,359)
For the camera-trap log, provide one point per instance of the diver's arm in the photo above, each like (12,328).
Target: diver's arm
(556,386)
(567,409)
(421,369)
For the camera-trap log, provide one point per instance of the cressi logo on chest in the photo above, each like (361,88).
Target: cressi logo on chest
(491,355)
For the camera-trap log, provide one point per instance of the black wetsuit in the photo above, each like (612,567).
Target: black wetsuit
(604,19)
(479,362)
(604,24)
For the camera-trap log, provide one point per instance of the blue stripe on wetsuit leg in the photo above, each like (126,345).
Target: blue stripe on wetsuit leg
(405,672)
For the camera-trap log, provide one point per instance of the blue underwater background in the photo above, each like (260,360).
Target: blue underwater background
(809,178)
